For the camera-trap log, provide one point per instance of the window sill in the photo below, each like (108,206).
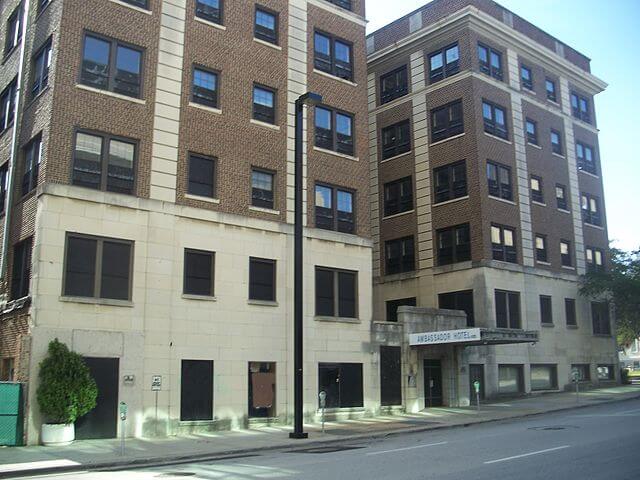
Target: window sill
(503,200)
(572,327)
(270,126)
(540,262)
(500,139)
(202,199)
(205,298)
(558,155)
(42,10)
(566,267)
(541,204)
(267,44)
(263,303)
(35,99)
(553,102)
(446,139)
(589,173)
(205,108)
(395,215)
(7,55)
(529,144)
(602,335)
(328,75)
(396,157)
(97,301)
(337,154)
(563,210)
(530,91)
(322,318)
(597,227)
(211,24)
(547,325)
(111,94)
(132,7)
(264,210)
(466,197)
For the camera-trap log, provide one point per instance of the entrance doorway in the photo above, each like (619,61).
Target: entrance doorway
(476,373)
(262,389)
(102,421)
(390,376)
(432,383)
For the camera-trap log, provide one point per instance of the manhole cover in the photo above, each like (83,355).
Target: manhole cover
(331,449)
(554,427)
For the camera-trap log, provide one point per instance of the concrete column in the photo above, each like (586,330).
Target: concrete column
(373,174)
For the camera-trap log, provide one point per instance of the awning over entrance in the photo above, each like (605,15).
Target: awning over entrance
(474,336)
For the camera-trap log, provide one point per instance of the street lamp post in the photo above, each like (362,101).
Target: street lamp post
(309,98)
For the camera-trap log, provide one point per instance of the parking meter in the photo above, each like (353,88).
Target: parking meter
(123,408)
(323,401)
(476,387)
(575,376)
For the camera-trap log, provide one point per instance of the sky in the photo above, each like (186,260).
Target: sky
(608,32)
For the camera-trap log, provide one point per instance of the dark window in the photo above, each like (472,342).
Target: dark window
(392,307)
(202,176)
(41,64)
(210,10)
(21,272)
(399,255)
(205,87)
(550,86)
(104,162)
(334,209)
(600,317)
(527,77)
(336,293)
(536,189)
(507,309)
(499,181)
(494,120)
(108,64)
(262,189)
(13,30)
(4,178)
(570,311)
(586,158)
(541,248)
(398,196)
(333,55)
(262,279)
(580,107)
(595,259)
(137,3)
(458,301)
(591,209)
(446,121)
(450,181)
(532,131)
(334,130)
(503,244)
(444,63)
(264,104)
(510,379)
(32,157)
(346,4)
(396,139)
(546,310)
(454,244)
(198,272)
(544,377)
(390,375)
(196,390)
(561,196)
(605,372)
(394,84)
(556,142)
(490,61)
(266,26)
(565,253)
(584,371)
(7,106)
(98,268)
(342,382)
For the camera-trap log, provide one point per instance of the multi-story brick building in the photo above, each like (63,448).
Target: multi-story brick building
(147,191)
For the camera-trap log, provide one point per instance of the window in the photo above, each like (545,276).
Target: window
(458,301)
(541,248)
(532,132)
(262,189)
(346,4)
(494,120)
(550,87)
(334,209)
(444,63)
(546,310)
(8,106)
(205,87)
(570,311)
(503,244)
(7,370)
(266,26)
(4,178)
(111,65)
(586,158)
(21,271)
(342,382)
(561,197)
(333,55)
(536,189)
(507,309)
(398,196)
(499,181)
(210,10)
(41,64)
(595,259)
(605,372)
(334,130)
(202,176)
(454,244)
(527,77)
(198,272)
(13,30)
(264,104)
(336,293)
(446,121)
(544,377)
(490,61)
(556,142)
(565,253)
(137,3)
(196,390)
(104,162)
(584,371)
(580,107)
(394,84)
(399,255)
(32,157)
(392,307)
(396,139)
(591,209)
(262,279)
(98,267)
(450,182)
(510,379)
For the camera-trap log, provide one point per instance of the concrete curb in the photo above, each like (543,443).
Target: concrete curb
(115,465)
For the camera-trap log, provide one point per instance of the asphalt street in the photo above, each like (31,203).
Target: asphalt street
(601,442)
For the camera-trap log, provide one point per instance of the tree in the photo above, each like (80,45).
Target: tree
(621,284)
(67,391)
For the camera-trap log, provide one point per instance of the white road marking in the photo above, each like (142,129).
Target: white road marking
(527,454)
(407,448)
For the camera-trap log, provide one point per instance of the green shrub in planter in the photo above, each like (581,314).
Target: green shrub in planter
(67,391)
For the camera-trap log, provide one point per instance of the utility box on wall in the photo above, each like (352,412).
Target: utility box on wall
(11,414)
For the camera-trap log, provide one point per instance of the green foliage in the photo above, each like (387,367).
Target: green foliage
(621,283)
(67,391)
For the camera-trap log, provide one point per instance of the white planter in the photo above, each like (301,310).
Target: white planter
(57,434)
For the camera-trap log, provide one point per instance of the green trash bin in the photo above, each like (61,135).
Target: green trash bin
(11,414)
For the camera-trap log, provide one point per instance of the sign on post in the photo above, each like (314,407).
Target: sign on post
(156,383)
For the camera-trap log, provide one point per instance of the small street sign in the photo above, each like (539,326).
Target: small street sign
(156,382)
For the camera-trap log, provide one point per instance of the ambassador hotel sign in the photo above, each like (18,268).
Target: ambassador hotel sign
(445,336)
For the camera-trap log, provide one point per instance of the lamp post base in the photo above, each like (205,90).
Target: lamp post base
(298,435)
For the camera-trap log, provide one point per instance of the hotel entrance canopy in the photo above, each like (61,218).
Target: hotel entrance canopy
(473,337)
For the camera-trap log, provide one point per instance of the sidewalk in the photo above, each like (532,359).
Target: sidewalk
(98,454)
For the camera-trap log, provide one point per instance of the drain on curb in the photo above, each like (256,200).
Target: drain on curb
(329,449)
(554,427)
